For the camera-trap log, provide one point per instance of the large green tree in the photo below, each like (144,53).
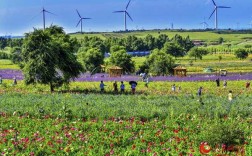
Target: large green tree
(197,53)
(49,57)
(92,59)
(241,53)
(119,57)
(173,49)
(159,62)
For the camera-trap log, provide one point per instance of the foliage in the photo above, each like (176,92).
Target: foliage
(93,124)
(3,42)
(122,59)
(4,55)
(159,62)
(197,53)
(241,53)
(223,134)
(220,40)
(49,57)
(16,55)
(185,43)
(91,59)
(173,49)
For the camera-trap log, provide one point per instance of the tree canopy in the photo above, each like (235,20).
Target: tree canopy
(48,57)
(197,53)
(159,63)
(92,59)
(241,53)
(173,49)
(122,59)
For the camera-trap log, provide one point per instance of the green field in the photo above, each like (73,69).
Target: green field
(207,36)
(7,64)
(77,119)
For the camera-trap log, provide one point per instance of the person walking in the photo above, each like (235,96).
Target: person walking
(218,82)
(102,85)
(115,87)
(225,84)
(230,96)
(133,88)
(122,86)
(247,85)
(173,88)
(14,80)
(199,93)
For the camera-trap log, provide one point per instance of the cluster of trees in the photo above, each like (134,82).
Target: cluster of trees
(92,49)
(8,42)
(133,43)
(48,57)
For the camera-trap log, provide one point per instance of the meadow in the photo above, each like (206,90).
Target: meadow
(77,119)
(207,36)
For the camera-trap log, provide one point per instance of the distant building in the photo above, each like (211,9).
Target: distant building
(139,53)
(198,42)
(133,53)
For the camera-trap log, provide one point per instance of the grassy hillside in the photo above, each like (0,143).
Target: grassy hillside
(207,36)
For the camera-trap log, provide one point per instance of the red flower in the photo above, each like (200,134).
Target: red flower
(204,148)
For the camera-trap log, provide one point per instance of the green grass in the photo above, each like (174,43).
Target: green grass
(207,36)
(7,64)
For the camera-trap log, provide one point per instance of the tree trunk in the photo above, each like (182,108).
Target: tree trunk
(51,87)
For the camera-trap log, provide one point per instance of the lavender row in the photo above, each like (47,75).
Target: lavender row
(10,74)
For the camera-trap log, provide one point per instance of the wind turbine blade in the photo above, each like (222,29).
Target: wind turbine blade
(128,4)
(78,23)
(118,11)
(50,12)
(223,7)
(212,14)
(78,13)
(86,18)
(128,15)
(214,3)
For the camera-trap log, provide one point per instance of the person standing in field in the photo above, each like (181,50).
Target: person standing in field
(247,85)
(199,93)
(14,80)
(133,88)
(230,96)
(1,80)
(122,86)
(173,88)
(224,84)
(217,82)
(115,87)
(102,85)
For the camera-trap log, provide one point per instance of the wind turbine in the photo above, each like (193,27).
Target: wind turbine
(44,11)
(216,13)
(205,25)
(81,18)
(125,15)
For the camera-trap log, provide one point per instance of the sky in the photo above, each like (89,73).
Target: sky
(20,16)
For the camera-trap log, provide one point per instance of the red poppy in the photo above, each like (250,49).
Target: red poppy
(204,148)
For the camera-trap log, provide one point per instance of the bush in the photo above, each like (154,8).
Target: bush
(3,55)
(223,133)
(241,53)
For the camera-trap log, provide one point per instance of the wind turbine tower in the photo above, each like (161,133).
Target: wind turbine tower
(216,13)
(81,18)
(125,15)
(44,11)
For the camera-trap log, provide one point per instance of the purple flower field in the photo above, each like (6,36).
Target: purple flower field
(10,74)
